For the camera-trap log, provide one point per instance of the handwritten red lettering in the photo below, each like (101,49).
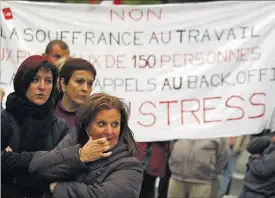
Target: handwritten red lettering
(257,104)
(136,14)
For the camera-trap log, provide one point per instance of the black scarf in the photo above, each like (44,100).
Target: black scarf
(34,121)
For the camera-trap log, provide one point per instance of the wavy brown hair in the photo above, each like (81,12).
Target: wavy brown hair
(102,101)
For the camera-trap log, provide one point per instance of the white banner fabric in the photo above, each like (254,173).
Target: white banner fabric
(198,70)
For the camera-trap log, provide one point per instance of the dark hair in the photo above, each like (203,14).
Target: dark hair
(96,103)
(27,71)
(74,64)
(60,43)
(71,65)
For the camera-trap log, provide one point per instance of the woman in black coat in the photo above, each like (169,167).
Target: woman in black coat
(97,158)
(28,124)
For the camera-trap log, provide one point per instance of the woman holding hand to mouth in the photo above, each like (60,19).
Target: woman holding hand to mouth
(76,78)
(28,124)
(97,158)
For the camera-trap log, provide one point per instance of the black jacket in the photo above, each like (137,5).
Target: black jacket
(119,176)
(14,165)
(260,177)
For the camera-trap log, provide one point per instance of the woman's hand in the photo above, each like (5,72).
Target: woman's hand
(94,149)
(8,149)
(2,94)
(52,186)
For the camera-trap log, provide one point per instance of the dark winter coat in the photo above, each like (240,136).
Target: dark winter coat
(119,176)
(15,178)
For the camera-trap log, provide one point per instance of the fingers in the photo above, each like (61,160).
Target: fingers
(8,149)
(106,154)
(106,148)
(2,92)
(101,140)
(100,146)
(106,143)
(90,140)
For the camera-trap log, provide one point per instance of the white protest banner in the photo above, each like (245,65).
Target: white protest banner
(187,71)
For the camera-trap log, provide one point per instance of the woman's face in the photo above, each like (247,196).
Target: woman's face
(40,88)
(79,86)
(106,123)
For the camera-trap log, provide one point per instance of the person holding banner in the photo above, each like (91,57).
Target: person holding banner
(154,156)
(76,78)
(55,50)
(60,63)
(195,167)
(259,142)
(259,181)
(97,159)
(28,124)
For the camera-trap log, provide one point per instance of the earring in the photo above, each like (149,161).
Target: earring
(87,131)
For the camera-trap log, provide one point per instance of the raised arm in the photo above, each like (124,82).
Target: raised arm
(263,165)
(58,163)
(67,158)
(258,144)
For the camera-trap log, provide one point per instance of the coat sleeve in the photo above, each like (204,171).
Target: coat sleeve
(263,166)
(63,128)
(11,160)
(258,144)
(58,164)
(124,183)
(16,161)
